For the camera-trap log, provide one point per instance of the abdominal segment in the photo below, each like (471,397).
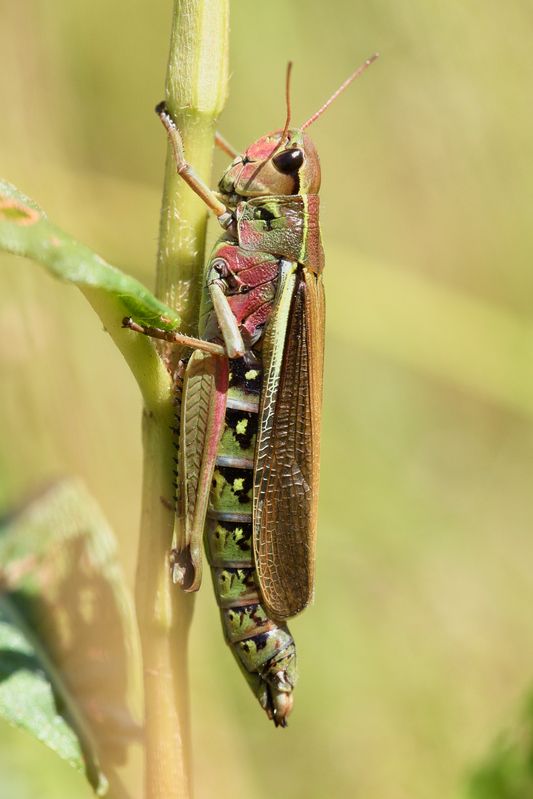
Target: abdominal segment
(264,649)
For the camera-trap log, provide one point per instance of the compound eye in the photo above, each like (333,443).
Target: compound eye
(289,161)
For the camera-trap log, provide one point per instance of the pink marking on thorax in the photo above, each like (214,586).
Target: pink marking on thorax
(260,274)
(239,260)
(244,305)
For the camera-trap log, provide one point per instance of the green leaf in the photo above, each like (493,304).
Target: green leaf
(25,230)
(29,698)
(69,656)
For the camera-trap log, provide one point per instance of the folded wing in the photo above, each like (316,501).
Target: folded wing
(287,454)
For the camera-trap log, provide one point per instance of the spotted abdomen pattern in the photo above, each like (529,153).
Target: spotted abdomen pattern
(264,649)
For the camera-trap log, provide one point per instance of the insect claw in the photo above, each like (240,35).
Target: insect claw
(183,570)
(225,219)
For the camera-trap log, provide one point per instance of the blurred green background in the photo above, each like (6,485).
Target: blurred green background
(419,650)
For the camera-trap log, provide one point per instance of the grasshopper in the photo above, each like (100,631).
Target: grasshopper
(249,430)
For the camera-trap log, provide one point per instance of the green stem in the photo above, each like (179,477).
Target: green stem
(147,367)
(196,90)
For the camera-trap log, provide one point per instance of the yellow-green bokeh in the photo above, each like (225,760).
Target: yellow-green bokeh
(420,645)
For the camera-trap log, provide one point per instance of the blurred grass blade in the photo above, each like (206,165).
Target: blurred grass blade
(25,230)
(507,772)
(69,655)
(436,330)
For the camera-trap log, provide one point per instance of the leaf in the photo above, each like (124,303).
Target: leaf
(25,230)
(69,651)
(29,700)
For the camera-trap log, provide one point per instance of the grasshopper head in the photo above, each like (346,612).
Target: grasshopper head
(275,164)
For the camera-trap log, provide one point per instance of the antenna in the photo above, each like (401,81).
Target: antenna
(342,88)
(288,96)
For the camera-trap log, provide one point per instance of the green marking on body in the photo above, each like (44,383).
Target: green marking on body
(251,374)
(238,484)
(240,429)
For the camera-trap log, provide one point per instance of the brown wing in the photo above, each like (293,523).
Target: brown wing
(287,454)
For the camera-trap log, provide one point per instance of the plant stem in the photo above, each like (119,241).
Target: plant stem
(164,614)
(196,90)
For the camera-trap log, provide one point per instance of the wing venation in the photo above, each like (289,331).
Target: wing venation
(287,458)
